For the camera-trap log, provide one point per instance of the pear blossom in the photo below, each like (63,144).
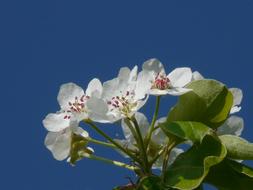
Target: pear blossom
(161,84)
(233,126)
(59,143)
(72,100)
(121,97)
(236,92)
(158,139)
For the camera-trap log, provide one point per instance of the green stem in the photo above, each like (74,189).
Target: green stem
(142,146)
(152,126)
(112,141)
(101,143)
(113,162)
(160,153)
(168,149)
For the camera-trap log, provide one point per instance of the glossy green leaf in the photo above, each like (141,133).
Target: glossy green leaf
(186,130)
(237,147)
(191,167)
(209,102)
(231,175)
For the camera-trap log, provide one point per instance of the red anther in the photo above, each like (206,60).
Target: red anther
(70,104)
(109,102)
(127,93)
(65,117)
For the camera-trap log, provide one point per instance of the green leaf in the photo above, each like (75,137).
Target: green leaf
(186,130)
(231,175)
(150,183)
(191,167)
(209,102)
(238,148)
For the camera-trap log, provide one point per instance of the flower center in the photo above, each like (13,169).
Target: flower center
(78,106)
(124,103)
(161,82)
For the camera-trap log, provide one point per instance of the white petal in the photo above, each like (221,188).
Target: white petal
(237,95)
(178,91)
(133,74)
(157,92)
(124,73)
(94,88)
(235,109)
(59,144)
(197,76)
(143,84)
(126,144)
(233,126)
(98,110)
(158,135)
(142,122)
(180,77)
(81,132)
(153,65)
(127,75)
(55,122)
(68,92)
(127,132)
(175,152)
(110,88)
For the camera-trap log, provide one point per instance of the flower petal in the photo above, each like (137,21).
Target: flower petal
(98,110)
(237,95)
(157,92)
(153,65)
(196,76)
(178,91)
(233,126)
(142,122)
(175,152)
(68,92)
(55,122)
(127,132)
(179,77)
(80,131)
(143,84)
(94,88)
(59,144)
(158,135)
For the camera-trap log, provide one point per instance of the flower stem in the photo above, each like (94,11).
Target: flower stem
(113,162)
(167,151)
(101,143)
(142,146)
(152,126)
(112,141)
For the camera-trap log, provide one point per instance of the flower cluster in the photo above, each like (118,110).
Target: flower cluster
(120,99)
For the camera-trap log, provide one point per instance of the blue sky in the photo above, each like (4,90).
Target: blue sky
(47,43)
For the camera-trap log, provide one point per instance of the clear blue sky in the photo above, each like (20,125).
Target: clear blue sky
(47,43)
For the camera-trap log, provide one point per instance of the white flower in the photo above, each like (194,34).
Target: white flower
(196,76)
(59,143)
(158,139)
(72,101)
(237,97)
(233,126)
(121,97)
(236,92)
(162,84)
